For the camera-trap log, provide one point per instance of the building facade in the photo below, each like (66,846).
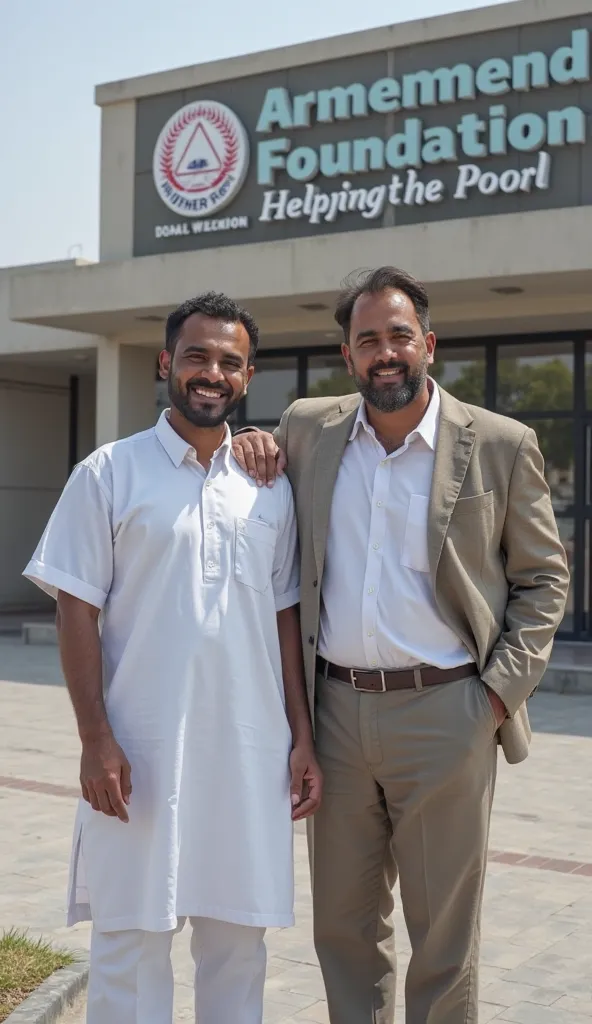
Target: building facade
(459,148)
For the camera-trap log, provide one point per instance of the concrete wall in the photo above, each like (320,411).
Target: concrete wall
(20,339)
(34,433)
(118,132)
(33,468)
(34,450)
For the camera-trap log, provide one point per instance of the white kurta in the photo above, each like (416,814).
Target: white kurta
(189,569)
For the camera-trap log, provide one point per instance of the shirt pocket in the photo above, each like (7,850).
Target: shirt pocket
(415,542)
(254,549)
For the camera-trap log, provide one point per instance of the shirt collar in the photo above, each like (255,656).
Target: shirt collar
(174,445)
(427,428)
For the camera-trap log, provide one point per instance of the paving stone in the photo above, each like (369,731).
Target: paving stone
(488,1012)
(318,1014)
(503,954)
(572,1005)
(572,948)
(537,930)
(528,1013)
(549,961)
(300,980)
(543,936)
(508,993)
(568,982)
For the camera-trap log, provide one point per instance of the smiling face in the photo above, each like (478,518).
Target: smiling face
(209,371)
(388,354)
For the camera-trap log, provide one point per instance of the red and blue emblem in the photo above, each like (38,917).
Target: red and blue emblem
(201,159)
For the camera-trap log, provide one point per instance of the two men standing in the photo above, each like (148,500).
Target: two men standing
(433,581)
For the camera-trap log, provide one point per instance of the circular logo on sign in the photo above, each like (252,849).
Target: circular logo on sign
(201,159)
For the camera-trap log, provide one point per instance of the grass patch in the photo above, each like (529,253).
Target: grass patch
(24,964)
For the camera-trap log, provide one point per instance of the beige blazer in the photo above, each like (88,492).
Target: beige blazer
(498,567)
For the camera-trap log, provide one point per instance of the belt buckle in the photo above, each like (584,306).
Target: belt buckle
(362,689)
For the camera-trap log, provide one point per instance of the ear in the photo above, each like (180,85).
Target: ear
(430,346)
(250,372)
(164,364)
(346,353)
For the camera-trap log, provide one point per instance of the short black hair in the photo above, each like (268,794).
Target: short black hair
(373,282)
(217,306)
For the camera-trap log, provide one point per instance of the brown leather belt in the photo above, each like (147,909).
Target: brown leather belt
(403,679)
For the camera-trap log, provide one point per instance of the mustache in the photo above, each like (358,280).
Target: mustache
(206,385)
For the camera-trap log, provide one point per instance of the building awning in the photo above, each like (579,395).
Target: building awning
(291,285)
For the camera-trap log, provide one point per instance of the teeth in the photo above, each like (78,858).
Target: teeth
(207,394)
(389,373)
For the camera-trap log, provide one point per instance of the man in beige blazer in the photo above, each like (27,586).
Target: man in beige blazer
(433,581)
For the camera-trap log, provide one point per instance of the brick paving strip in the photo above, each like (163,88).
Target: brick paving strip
(518,860)
(32,786)
(523,860)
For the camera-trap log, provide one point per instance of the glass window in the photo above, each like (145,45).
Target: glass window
(327,375)
(535,377)
(566,533)
(589,374)
(588,465)
(461,371)
(588,576)
(556,441)
(273,388)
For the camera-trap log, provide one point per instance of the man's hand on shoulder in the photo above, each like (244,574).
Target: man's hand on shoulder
(258,455)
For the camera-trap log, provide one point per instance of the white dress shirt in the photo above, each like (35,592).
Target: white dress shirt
(378,608)
(189,568)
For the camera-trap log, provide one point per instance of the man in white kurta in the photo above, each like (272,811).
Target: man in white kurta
(189,567)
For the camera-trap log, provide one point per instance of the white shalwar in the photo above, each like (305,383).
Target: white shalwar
(189,569)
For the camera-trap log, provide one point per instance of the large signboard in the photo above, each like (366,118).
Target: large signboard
(487,124)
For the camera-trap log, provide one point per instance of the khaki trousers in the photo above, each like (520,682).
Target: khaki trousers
(409,780)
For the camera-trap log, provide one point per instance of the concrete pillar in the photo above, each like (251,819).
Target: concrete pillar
(118,140)
(126,390)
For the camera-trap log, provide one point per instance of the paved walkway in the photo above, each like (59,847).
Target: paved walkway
(536,958)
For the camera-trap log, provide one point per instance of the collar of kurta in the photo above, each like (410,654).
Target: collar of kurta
(426,429)
(177,449)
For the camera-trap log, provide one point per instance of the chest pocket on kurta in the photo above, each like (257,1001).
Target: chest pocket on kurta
(253,553)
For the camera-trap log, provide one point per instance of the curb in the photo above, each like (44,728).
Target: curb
(47,1003)
(567,680)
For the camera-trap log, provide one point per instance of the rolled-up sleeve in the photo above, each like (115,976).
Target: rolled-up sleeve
(286,565)
(75,553)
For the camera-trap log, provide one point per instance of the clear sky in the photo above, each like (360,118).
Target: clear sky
(53,53)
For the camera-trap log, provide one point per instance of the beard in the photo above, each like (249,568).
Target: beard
(205,417)
(393,397)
